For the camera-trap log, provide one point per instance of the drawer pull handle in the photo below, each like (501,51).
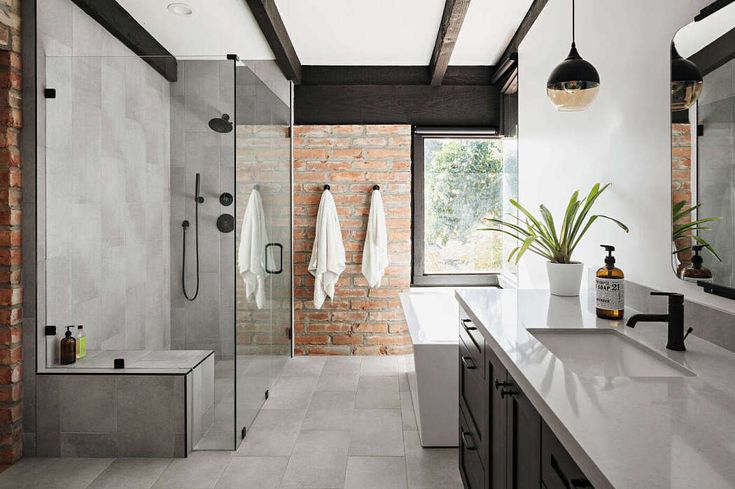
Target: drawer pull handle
(508,392)
(499,384)
(471,327)
(467,441)
(570,483)
(469,365)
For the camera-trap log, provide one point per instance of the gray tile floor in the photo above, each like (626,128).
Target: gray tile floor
(338,422)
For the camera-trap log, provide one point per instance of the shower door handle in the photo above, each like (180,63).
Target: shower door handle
(280,259)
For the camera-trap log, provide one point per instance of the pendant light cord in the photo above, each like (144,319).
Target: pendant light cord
(572,22)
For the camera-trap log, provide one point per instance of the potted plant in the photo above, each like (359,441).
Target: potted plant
(541,235)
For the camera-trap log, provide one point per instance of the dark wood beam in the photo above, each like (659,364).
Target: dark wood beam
(446,38)
(110,15)
(446,105)
(270,22)
(391,75)
(715,54)
(533,12)
(711,9)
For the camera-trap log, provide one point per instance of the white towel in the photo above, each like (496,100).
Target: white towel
(328,254)
(375,251)
(251,252)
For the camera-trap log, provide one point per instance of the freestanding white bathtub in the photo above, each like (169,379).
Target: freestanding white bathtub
(433,372)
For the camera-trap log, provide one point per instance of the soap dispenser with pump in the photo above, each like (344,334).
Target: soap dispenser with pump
(609,285)
(68,348)
(695,271)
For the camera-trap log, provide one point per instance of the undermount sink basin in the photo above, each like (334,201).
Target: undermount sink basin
(606,353)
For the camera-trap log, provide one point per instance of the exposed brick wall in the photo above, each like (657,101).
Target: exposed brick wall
(11,292)
(352,158)
(681,172)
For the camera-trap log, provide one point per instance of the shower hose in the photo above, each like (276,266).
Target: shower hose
(185,226)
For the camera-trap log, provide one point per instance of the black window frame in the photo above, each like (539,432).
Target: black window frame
(419,277)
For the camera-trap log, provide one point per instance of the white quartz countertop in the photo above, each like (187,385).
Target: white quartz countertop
(624,432)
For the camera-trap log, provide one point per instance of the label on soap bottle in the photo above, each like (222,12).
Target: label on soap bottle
(610,294)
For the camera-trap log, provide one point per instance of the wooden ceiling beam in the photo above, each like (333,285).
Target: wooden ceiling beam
(446,38)
(512,49)
(118,22)
(270,22)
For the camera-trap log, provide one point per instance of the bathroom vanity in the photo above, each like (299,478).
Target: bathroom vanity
(551,396)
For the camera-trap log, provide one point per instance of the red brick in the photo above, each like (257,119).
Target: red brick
(359,314)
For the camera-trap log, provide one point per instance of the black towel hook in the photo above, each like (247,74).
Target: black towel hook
(327,187)
(376,187)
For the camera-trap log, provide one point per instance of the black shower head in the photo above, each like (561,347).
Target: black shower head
(221,124)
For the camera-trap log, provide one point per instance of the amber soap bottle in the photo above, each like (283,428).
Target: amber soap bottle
(609,282)
(68,348)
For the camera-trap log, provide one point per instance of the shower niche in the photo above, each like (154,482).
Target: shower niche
(134,177)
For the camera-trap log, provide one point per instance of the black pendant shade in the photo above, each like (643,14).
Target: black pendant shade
(574,83)
(686,81)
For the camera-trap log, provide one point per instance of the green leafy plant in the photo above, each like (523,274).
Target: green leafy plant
(540,235)
(683,233)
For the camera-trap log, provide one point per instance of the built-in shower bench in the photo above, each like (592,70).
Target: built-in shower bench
(159,405)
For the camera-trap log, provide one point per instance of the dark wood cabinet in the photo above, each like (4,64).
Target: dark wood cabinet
(504,443)
(498,421)
(524,441)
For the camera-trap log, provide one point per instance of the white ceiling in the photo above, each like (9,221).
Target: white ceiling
(215,28)
(334,32)
(362,32)
(487,30)
(693,37)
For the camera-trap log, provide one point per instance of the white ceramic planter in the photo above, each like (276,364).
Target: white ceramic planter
(565,279)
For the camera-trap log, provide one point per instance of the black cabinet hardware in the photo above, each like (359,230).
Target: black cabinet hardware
(467,361)
(508,392)
(467,441)
(501,383)
(471,327)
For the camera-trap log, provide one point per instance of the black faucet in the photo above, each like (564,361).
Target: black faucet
(675,319)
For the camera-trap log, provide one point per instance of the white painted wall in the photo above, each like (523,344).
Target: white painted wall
(624,138)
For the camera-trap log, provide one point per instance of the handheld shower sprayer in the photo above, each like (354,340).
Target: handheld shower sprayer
(198,199)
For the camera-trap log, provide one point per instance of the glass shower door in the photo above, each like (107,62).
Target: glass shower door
(263,197)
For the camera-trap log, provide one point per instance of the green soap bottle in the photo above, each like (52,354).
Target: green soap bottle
(81,342)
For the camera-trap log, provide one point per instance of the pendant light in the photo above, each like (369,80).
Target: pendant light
(686,81)
(573,85)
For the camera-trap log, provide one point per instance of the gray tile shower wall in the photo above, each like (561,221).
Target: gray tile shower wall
(205,89)
(107,185)
(53,31)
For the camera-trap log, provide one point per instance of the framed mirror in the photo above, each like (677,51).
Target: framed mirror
(703,151)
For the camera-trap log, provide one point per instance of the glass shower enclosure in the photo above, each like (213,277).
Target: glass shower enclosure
(146,200)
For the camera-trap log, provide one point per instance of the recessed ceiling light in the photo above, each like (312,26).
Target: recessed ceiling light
(179,8)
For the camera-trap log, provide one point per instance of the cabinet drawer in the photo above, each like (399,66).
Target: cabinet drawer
(558,470)
(474,341)
(470,463)
(472,388)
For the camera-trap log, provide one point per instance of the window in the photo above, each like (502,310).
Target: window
(458,179)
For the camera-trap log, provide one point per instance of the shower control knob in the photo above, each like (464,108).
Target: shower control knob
(226,223)
(226,199)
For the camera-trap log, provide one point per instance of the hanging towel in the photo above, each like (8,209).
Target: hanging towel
(375,251)
(252,250)
(328,253)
